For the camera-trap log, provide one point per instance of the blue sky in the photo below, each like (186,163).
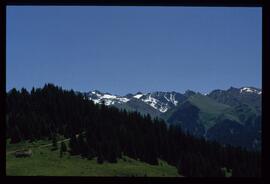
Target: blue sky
(129,49)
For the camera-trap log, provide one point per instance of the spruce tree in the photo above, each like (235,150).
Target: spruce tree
(61,153)
(63,148)
(54,143)
(73,145)
(100,159)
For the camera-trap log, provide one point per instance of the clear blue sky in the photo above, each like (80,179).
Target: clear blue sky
(129,49)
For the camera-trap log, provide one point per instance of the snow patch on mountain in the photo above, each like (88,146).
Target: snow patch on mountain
(109,96)
(163,109)
(138,96)
(166,98)
(161,101)
(156,103)
(250,90)
(98,97)
(151,101)
(122,99)
(96,93)
(172,98)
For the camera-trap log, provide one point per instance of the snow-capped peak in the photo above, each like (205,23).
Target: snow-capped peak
(109,96)
(109,99)
(138,96)
(161,101)
(250,90)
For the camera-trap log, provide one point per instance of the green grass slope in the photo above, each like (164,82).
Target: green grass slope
(206,104)
(139,106)
(45,162)
(211,110)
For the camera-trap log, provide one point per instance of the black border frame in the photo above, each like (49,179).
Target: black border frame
(199,3)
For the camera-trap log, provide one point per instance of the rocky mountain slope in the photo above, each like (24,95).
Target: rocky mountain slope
(230,116)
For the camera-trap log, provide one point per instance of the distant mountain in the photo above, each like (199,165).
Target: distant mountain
(230,116)
(238,96)
(154,103)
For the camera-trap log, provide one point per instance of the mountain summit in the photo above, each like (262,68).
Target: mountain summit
(160,101)
(164,101)
(231,116)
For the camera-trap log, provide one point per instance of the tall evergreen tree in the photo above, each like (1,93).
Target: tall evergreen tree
(54,143)
(63,149)
(73,145)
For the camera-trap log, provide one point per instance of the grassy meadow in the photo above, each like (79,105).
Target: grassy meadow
(45,162)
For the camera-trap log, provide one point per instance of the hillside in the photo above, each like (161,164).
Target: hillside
(139,106)
(203,116)
(221,113)
(210,110)
(236,97)
(45,162)
(108,134)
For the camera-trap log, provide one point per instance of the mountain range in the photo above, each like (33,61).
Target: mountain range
(231,116)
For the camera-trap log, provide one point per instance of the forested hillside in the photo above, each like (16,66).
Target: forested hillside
(110,133)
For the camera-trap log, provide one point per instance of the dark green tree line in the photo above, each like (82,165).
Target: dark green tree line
(109,133)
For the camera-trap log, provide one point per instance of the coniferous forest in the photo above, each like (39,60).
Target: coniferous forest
(109,133)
